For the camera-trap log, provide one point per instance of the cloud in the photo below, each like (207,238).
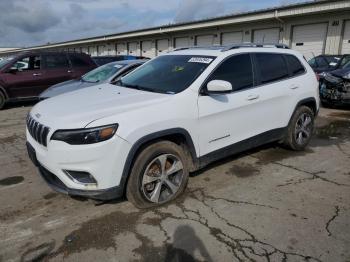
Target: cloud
(36,22)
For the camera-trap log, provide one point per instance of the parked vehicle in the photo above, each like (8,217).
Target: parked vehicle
(103,74)
(102,60)
(335,87)
(325,63)
(27,75)
(169,117)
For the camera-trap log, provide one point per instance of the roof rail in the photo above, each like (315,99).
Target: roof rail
(214,47)
(245,45)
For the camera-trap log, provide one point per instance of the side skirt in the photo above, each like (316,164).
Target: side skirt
(258,140)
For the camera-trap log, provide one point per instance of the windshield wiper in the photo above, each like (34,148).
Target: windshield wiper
(138,87)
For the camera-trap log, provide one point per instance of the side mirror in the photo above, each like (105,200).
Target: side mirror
(219,87)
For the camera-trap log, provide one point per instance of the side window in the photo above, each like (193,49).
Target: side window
(272,67)
(78,61)
(237,70)
(28,63)
(321,62)
(295,66)
(56,61)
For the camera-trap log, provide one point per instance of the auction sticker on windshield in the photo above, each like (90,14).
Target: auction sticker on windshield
(203,60)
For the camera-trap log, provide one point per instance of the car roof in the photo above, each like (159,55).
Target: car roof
(128,62)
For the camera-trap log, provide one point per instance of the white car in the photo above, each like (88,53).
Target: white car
(171,116)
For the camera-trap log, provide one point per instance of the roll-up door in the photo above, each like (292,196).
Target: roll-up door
(230,38)
(346,39)
(181,42)
(205,40)
(270,35)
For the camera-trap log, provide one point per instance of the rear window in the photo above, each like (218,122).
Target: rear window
(78,61)
(295,66)
(272,67)
(56,61)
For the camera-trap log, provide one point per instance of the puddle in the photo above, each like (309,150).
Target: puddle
(333,129)
(8,181)
(243,170)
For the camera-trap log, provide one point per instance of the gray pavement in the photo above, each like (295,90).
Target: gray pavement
(268,204)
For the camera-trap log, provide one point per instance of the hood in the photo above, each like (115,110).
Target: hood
(79,108)
(341,72)
(65,87)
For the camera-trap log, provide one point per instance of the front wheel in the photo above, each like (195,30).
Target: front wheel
(159,174)
(2,100)
(300,129)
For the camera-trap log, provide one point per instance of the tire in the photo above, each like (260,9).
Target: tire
(2,100)
(300,129)
(159,175)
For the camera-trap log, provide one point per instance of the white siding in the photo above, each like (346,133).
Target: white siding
(162,46)
(132,48)
(92,50)
(182,42)
(309,39)
(205,40)
(147,49)
(345,48)
(270,35)
(121,49)
(229,38)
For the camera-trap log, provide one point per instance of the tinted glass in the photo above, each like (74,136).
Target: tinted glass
(102,73)
(167,74)
(272,67)
(237,70)
(295,67)
(321,62)
(345,61)
(78,61)
(56,61)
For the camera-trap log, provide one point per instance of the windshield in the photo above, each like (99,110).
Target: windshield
(102,73)
(167,74)
(5,61)
(345,62)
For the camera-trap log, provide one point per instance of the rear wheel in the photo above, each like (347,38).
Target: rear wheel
(300,129)
(2,100)
(159,174)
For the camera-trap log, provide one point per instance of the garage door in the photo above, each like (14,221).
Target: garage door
(309,39)
(92,50)
(162,46)
(346,39)
(147,49)
(181,42)
(204,40)
(271,35)
(101,50)
(230,38)
(132,48)
(84,50)
(121,49)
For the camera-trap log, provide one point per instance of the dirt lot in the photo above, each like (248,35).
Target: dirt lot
(268,204)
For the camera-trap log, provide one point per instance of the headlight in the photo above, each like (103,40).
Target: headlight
(85,135)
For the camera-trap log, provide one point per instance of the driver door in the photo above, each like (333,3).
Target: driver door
(225,119)
(26,77)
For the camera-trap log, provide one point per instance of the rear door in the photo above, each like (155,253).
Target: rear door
(28,79)
(57,68)
(276,91)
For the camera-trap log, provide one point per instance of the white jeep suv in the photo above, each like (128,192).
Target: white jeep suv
(144,134)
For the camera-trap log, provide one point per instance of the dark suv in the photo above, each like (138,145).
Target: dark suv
(28,74)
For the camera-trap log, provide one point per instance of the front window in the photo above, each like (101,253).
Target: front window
(167,74)
(5,61)
(102,73)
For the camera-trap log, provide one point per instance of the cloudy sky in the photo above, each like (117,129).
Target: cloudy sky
(35,22)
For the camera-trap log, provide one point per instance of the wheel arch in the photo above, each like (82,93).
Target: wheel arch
(309,102)
(178,136)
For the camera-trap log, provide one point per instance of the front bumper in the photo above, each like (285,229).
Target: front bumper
(334,93)
(104,161)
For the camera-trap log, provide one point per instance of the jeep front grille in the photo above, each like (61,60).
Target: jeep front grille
(38,131)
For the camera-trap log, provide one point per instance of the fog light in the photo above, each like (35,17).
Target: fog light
(81,177)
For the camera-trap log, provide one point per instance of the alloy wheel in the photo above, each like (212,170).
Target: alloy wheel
(303,128)
(162,178)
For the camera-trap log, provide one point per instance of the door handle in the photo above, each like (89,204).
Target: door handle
(36,74)
(252,97)
(69,71)
(294,87)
